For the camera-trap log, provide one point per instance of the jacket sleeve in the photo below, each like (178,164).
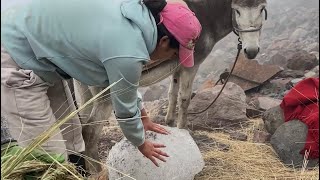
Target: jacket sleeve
(140,100)
(124,96)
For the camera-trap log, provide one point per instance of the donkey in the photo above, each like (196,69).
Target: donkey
(218,19)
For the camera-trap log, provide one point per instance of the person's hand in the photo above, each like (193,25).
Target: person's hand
(151,151)
(13,149)
(151,126)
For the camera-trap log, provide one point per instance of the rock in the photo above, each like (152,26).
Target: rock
(184,163)
(274,88)
(313,73)
(298,33)
(253,112)
(273,118)
(302,60)
(289,140)
(316,69)
(280,85)
(312,47)
(288,73)
(260,136)
(238,136)
(265,103)
(293,82)
(208,84)
(278,59)
(229,109)
(310,74)
(155,92)
(316,53)
(222,147)
(278,44)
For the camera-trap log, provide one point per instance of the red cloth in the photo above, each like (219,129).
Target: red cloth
(302,103)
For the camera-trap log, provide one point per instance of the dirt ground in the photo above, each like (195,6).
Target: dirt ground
(226,158)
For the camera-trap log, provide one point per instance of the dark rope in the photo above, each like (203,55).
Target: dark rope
(234,65)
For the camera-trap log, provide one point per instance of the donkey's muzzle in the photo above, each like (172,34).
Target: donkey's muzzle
(251,53)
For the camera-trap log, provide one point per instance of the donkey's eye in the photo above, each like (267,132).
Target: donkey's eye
(238,12)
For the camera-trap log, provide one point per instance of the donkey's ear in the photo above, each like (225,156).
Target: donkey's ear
(266,13)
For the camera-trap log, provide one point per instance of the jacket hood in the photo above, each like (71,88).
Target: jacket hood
(139,14)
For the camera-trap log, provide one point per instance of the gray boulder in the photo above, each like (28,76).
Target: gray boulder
(302,60)
(260,136)
(278,59)
(273,118)
(264,103)
(289,140)
(289,73)
(229,109)
(184,163)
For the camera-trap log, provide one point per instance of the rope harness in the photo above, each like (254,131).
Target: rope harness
(236,30)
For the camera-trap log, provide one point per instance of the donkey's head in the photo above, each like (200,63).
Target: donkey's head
(247,20)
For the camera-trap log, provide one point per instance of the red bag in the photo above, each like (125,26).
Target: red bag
(302,103)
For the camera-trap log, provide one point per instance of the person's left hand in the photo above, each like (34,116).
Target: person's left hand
(151,126)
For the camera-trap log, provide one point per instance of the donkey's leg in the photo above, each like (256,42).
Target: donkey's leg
(91,131)
(185,90)
(82,94)
(173,95)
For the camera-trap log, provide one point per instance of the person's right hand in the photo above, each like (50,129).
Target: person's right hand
(151,151)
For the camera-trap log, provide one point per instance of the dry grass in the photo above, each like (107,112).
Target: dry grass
(247,160)
(44,171)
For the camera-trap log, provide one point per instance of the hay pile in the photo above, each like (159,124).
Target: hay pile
(39,170)
(247,160)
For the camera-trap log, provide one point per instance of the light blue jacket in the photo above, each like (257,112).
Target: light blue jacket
(96,42)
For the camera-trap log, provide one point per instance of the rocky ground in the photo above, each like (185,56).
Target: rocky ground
(231,152)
